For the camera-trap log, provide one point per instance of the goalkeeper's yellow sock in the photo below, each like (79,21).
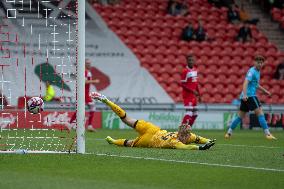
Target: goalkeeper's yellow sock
(119,142)
(116,109)
(186,146)
(197,139)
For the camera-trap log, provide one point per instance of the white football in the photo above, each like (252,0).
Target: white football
(35,105)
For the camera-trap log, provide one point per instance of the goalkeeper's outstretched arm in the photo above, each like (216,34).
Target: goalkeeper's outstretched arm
(115,108)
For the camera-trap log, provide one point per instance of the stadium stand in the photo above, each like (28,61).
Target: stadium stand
(222,62)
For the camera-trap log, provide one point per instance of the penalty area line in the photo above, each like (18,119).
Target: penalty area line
(191,162)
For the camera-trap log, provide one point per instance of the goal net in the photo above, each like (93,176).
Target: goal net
(39,47)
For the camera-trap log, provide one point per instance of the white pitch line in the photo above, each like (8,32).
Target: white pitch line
(193,162)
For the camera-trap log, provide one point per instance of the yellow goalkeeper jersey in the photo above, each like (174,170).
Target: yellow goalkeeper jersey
(152,136)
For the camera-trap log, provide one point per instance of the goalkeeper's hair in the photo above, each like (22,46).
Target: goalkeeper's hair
(184,133)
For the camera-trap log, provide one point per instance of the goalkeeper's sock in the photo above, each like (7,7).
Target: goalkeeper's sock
(116,109)
(186,146)
(197,139)
(118,142)
(263,124)
(234,124)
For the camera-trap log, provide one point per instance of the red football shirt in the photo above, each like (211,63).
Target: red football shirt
(189,80)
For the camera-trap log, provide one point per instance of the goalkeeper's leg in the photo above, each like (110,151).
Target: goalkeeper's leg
(119,142)
(198,139)
(115,108)
(182,146)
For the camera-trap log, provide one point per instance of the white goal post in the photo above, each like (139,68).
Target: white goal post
(81,78)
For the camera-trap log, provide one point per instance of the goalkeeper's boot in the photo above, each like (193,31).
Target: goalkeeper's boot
(98,96)
(228,135)
(212,141)
(270,137)
(206,146)
(109,139)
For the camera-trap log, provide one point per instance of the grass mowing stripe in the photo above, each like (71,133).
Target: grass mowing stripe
(192,162)
(237,145)
(242,145)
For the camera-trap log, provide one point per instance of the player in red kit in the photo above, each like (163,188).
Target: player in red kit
(190,92)
(88,100)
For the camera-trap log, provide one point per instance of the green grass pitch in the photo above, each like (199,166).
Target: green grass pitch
(248,160)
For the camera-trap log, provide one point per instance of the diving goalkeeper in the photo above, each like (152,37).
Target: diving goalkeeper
(152,136)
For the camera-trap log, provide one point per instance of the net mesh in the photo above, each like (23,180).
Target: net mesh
(38,48)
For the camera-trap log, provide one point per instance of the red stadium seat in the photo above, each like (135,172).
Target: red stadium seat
(162,83)
(183,50)
(168,68)
(176,77)
(204,58)
(161,49)
(155,68)
(275,90)
(212,68)
(221,77)
(206,97)
(172,95)
(215,60)
(160,57)
(208,87)
(178,68)
(175,87)
(202,69)
(267,70)
(216,98)
(242,71)
(218,88)
(228,98)
(237,59)
(233,69)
